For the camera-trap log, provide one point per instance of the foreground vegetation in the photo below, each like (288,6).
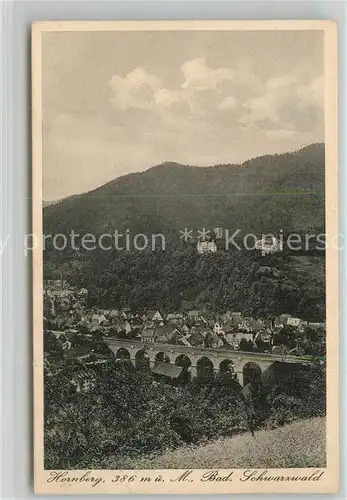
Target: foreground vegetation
(298,444)
(128,414)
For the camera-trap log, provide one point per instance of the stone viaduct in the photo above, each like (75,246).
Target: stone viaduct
(193,358)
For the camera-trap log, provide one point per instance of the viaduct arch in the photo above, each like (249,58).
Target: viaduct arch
(245,365)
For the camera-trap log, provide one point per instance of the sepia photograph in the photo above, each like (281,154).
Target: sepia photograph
(185,257)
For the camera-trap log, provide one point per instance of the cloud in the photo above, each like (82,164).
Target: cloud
(313,92)
(175,101)
(229,103)
(229,96)
(198,76)
(286,104)
(135,90)
(202,92)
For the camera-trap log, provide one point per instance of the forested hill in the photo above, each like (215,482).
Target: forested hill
(264,194)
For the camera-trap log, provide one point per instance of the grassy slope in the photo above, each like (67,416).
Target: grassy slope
(299,444)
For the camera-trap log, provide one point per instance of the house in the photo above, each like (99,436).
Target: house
(263,341)
(157,317)
(159,334)
(127,327)
(196,337)
(230,325)
(206,246)
(97,319)
(178,337)
(126,313)
(226,316)
(258,325)
(168,370)
(293,322)
(136,322)
(134,334)
(234,339)
(177,333)
(148,324)
(175,318)
(211,339)
(263,336)
(279,349)
(217,328)
(232,316)
(184,341)
(84,381)
(236,320)
(268,271)
(118,325)
(282,320)
(148,335)
(147,315)
(194,314)
(217,341)
(302,326)
(163,334)
(208,318)
(104,312)
(114,313)
(315,326)
(246,324)
(268,244)
(185,329)
(268,324)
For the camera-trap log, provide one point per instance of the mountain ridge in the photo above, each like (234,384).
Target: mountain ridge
(271,190)
(212,169)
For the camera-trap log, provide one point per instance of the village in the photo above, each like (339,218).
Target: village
(72,330)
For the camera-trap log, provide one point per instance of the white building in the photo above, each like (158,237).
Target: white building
(204,247)
(268,244)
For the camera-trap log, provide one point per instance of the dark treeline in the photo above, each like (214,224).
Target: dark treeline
(179,277)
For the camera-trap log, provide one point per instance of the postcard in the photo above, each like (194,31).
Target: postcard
(185,243)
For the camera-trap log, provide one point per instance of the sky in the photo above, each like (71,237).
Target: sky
(121,102)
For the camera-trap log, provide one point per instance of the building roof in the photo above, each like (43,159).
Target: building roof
(98,317)
(158,313)
(167,369)
(114,313)
(84,375)
(194,313)
(174,315)
(258,324)
(148,324)
(148,332)
(229,325)
(136,321)
(285,316)
(165,330)
(208,316)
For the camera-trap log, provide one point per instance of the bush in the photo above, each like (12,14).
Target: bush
(127,414)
